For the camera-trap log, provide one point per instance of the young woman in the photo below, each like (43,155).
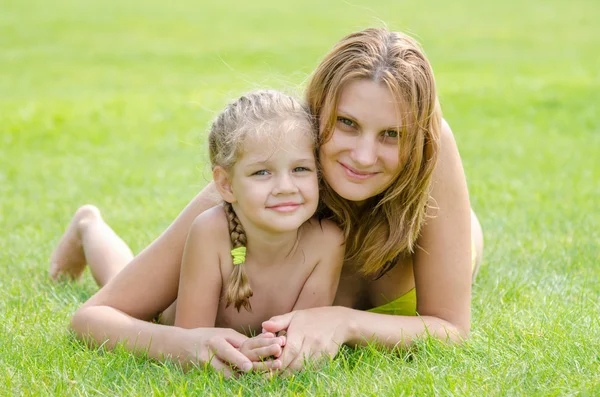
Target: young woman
(394,181)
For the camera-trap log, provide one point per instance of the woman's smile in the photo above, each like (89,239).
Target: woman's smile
(353,173)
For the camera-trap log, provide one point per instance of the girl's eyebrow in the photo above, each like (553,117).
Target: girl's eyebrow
(258,162)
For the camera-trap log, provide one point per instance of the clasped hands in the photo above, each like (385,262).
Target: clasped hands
(312,334)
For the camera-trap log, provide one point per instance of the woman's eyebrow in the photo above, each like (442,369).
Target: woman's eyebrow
(346,113)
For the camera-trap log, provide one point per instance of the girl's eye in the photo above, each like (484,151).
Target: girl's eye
(261,173)
(346,122)
(301,169)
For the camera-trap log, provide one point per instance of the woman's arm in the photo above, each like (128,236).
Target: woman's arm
(146,287)
(106,326)
(200,281)
(442,261)
(321,286)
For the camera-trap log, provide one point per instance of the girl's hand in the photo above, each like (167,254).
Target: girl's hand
(312,334)
(261,348)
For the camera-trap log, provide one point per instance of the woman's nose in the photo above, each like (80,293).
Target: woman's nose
(364,153)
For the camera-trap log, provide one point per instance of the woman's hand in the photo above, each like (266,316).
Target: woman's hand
(217,347)
(312,334)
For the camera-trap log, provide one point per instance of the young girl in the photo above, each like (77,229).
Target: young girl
(259,254)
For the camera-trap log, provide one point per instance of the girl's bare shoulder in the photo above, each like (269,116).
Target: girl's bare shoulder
(322,231)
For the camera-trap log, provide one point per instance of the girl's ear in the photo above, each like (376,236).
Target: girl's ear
(223,182)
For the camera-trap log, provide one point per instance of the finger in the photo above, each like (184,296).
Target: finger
(264,352)
(225,352)
(296,364)
(256,343)
(235,338)
(266,365)
(283,341)
(220,366)
(291,351)
(278,323)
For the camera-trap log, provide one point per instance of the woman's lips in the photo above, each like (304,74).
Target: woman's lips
(355,174)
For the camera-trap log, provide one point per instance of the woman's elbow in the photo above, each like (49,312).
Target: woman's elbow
(449,332)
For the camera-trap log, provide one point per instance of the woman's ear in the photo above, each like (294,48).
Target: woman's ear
(223,182)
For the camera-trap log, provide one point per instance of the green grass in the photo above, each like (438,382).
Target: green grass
(108,102)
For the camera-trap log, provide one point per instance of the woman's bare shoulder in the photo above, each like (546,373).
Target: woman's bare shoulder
(212,222)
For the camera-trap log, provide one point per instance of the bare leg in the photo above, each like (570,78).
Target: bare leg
(89,240)
(477,236)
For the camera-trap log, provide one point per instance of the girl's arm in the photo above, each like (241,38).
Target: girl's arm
(321,286)
(200,281)
(442,271)
(146,287)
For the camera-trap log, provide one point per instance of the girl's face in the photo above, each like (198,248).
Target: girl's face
(361,159)
(274,182)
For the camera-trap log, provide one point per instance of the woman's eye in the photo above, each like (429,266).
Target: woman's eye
(391,134)
(261,173)
(346,121)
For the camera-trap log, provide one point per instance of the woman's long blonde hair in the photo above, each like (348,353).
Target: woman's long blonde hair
(260,114)
(388,225)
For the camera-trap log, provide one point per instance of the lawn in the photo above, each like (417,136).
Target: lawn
(109,102)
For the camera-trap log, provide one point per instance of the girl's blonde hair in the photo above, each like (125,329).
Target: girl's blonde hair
(388,225)
(263,115)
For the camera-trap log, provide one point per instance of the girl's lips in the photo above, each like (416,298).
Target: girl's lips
(355,174)
(285,207)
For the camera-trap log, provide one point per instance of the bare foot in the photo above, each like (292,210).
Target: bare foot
(68,259)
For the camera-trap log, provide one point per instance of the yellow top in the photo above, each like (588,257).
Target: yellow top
(406,305)
(239,255)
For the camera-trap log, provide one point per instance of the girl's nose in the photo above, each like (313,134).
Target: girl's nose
(285,184)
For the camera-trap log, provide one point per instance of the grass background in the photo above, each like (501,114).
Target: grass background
(108,102)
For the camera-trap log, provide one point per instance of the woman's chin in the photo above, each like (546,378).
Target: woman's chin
(354,194)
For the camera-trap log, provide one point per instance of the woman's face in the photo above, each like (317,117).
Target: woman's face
(361,158)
